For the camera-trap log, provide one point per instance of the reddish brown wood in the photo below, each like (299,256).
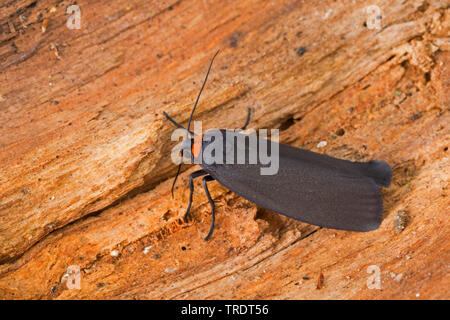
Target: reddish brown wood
(85,170)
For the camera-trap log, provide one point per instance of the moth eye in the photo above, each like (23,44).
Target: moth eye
(185,153)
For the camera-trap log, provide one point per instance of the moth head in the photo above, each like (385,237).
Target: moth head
(191,147)
(186,148)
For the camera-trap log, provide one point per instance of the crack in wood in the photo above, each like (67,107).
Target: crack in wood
(253,265)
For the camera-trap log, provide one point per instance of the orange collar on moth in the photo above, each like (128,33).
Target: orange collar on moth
(197,146)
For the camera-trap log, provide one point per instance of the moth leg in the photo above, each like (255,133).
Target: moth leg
(211,202)
(192,176)
(247,121)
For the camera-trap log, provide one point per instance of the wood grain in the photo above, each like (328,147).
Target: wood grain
(85,150)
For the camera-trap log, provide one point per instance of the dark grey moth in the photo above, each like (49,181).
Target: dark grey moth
(310,187)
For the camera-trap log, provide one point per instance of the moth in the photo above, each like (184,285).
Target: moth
(309,187)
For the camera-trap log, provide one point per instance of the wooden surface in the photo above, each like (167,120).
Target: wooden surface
(85,169)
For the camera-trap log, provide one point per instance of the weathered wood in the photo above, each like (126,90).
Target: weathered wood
(85,151)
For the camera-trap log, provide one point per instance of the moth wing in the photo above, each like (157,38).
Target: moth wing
(309,187)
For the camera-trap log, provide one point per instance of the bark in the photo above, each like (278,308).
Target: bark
(85,171)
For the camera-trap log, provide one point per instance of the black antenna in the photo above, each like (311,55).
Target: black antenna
(178,172)
(176,124)
(199,94)
(190,118)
